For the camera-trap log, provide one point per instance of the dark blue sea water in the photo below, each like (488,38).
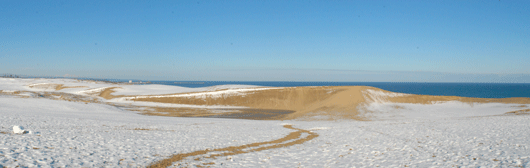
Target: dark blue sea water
(480,90)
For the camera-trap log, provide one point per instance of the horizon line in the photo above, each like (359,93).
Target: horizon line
(151,81)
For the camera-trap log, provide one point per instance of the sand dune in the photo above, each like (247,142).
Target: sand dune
(252,102)
(308,103)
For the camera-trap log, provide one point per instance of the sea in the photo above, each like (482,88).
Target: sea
(478,90)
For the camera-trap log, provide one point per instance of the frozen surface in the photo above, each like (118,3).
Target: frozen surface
(213,94)
(89,88)
(451,109)
(155,89)
(95,135)
(378,96)
(10,84)
(495,141)
(124,100)
(75,134)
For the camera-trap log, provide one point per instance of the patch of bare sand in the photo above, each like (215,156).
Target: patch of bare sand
(520,112)
(61,87)
(107,93)
(10,92)
(521,106)
(54,96)
(291,139)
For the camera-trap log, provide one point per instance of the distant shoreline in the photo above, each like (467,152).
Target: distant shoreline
(477,90)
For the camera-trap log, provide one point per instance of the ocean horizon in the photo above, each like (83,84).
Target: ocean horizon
(476,90)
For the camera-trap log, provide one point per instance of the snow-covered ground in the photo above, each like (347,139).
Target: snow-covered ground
(86,88)
(95,135)
(450,109)
(13,84)
(78,134)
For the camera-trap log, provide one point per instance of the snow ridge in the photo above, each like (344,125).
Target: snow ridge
(377,96)
(203,95)
(91,91)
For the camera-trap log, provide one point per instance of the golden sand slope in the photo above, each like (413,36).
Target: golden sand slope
(332,101)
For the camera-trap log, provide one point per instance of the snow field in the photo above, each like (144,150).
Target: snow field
(124,89)
(212,94)
(493,141)
(450,109)
(8,85)
(95,135)
(75,134)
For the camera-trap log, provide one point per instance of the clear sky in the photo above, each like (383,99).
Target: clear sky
(418,41)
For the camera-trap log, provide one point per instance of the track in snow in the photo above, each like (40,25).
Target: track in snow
(291,139)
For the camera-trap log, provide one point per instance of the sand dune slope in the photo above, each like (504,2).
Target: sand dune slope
(304,101)
(340,102)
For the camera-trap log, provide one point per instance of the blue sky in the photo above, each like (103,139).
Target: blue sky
(409,41)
